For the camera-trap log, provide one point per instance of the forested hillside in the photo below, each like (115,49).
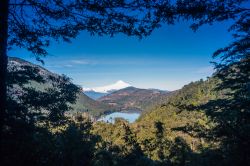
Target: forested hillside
(43,118)
(83,103)
(135,98)
(176,131)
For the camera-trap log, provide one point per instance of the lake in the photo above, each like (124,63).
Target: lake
(130,117)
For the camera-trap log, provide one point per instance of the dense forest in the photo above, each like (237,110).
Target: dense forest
(207,122)
(47,129)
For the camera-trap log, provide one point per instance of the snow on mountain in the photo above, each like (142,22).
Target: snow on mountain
(109,88)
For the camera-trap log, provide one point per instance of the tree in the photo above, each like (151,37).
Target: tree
(3,57)
(32,112)
(159,139)
(179,152)
(233,69)
(132,150)
(76,145)
(31,24)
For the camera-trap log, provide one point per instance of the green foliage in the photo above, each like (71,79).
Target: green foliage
(180,118)
(36,128)
(42,81)
(204,123)
(64,20)
(179,152)
(178,132)
(231,113)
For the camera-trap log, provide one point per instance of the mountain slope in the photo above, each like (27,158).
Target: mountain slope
(94,108)
(195,94)
(94,95)
(182,130)
(98,92)
(83,103)
(134,98)
(179,116)
(109,88)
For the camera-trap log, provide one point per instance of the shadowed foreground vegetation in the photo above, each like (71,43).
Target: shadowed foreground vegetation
(182,131)
(205,123)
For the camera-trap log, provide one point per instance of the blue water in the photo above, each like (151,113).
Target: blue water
(130,117)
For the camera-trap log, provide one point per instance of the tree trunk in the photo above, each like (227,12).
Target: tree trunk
(4,4)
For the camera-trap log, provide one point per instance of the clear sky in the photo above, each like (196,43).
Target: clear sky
(168,59)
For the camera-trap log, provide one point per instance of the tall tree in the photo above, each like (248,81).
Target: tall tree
(232,114)
(36,103)
(3,56)
(31,24)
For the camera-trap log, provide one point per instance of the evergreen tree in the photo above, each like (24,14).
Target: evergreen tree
(159,139)
(31,113)
(31,24)
(179,152)
(232,68)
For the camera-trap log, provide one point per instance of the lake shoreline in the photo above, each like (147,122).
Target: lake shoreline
(129,115)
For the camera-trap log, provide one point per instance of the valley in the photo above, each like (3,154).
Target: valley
(143,115)
(118,97)
(124,83)
(83,102)
(125,97)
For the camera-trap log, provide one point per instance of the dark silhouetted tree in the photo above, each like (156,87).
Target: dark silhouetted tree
(179,152)
(31,24)
(159,139)
(31,112)
(232,114)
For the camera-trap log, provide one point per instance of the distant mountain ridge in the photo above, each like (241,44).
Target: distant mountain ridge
(98,92)
(134,98)
(109,88)
(115,97)
(94,95)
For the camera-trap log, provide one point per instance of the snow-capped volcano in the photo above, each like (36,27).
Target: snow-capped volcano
(109,88)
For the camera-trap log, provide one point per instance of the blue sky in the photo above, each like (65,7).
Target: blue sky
(168,59)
